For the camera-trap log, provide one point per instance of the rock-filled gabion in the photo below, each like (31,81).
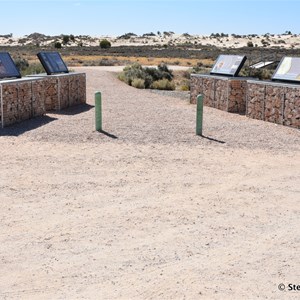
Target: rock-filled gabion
(274,102)
(26,98)
(64,90)
(21,99)
(268,101)
(223,93)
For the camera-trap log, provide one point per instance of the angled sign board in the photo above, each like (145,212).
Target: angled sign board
(8,68)
(52,62)
(288,70)
(228,65)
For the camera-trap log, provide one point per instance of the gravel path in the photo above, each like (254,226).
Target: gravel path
(147,210)
(142,117)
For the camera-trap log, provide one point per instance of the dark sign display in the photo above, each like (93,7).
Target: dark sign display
(8,68)
(229,65)
(52,62)
(288,69)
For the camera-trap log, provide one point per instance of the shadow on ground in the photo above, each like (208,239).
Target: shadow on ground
(112,136)
(25,126)
(212,139)
(75,110)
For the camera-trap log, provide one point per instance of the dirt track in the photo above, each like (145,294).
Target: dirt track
(148,210)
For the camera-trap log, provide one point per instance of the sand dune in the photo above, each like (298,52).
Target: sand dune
(283,41)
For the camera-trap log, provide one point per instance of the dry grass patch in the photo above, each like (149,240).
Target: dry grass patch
(79,60)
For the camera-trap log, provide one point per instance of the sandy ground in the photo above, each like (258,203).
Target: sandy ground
(148,210)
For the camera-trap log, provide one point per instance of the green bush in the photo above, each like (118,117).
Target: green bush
(163,84)
(137,76)
(22,64)
(138,83)
(122,77)
(105,44)
(135,71)
(35,68)
(28,69)
(162,72)
(66,39)
(262,74)
(250,44)
(185,85)
(166,73)
(57,45)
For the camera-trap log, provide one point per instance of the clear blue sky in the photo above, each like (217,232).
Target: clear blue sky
(116,17)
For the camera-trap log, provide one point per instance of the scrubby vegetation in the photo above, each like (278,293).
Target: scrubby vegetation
(262,73)
(27,68)
(149,78)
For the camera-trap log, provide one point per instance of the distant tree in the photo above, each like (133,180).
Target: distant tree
(249,44)
(265,43)
(127,36)
(168,33)
(105,44)
(66,39)
(72,37)
(57,45)
(148,34)
(236,36)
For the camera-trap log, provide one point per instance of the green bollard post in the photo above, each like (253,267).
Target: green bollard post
(199,118)
(98,111)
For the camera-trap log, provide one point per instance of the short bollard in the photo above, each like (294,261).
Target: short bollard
(98,111)
(199,118)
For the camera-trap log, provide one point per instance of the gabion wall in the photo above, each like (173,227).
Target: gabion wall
(224,93)
(268,101)
(26,98)
(274,102)
(21,99)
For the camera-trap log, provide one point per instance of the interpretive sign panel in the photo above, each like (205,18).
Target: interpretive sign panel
(52,62)
(288,69)
(8,68)
(228,65)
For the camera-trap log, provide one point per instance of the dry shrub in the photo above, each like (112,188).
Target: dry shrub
(137,76)
(163,84)
(138,83)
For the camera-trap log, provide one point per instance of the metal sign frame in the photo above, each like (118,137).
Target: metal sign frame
(52,63)
(8,69)
(228,65)
(288,70)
